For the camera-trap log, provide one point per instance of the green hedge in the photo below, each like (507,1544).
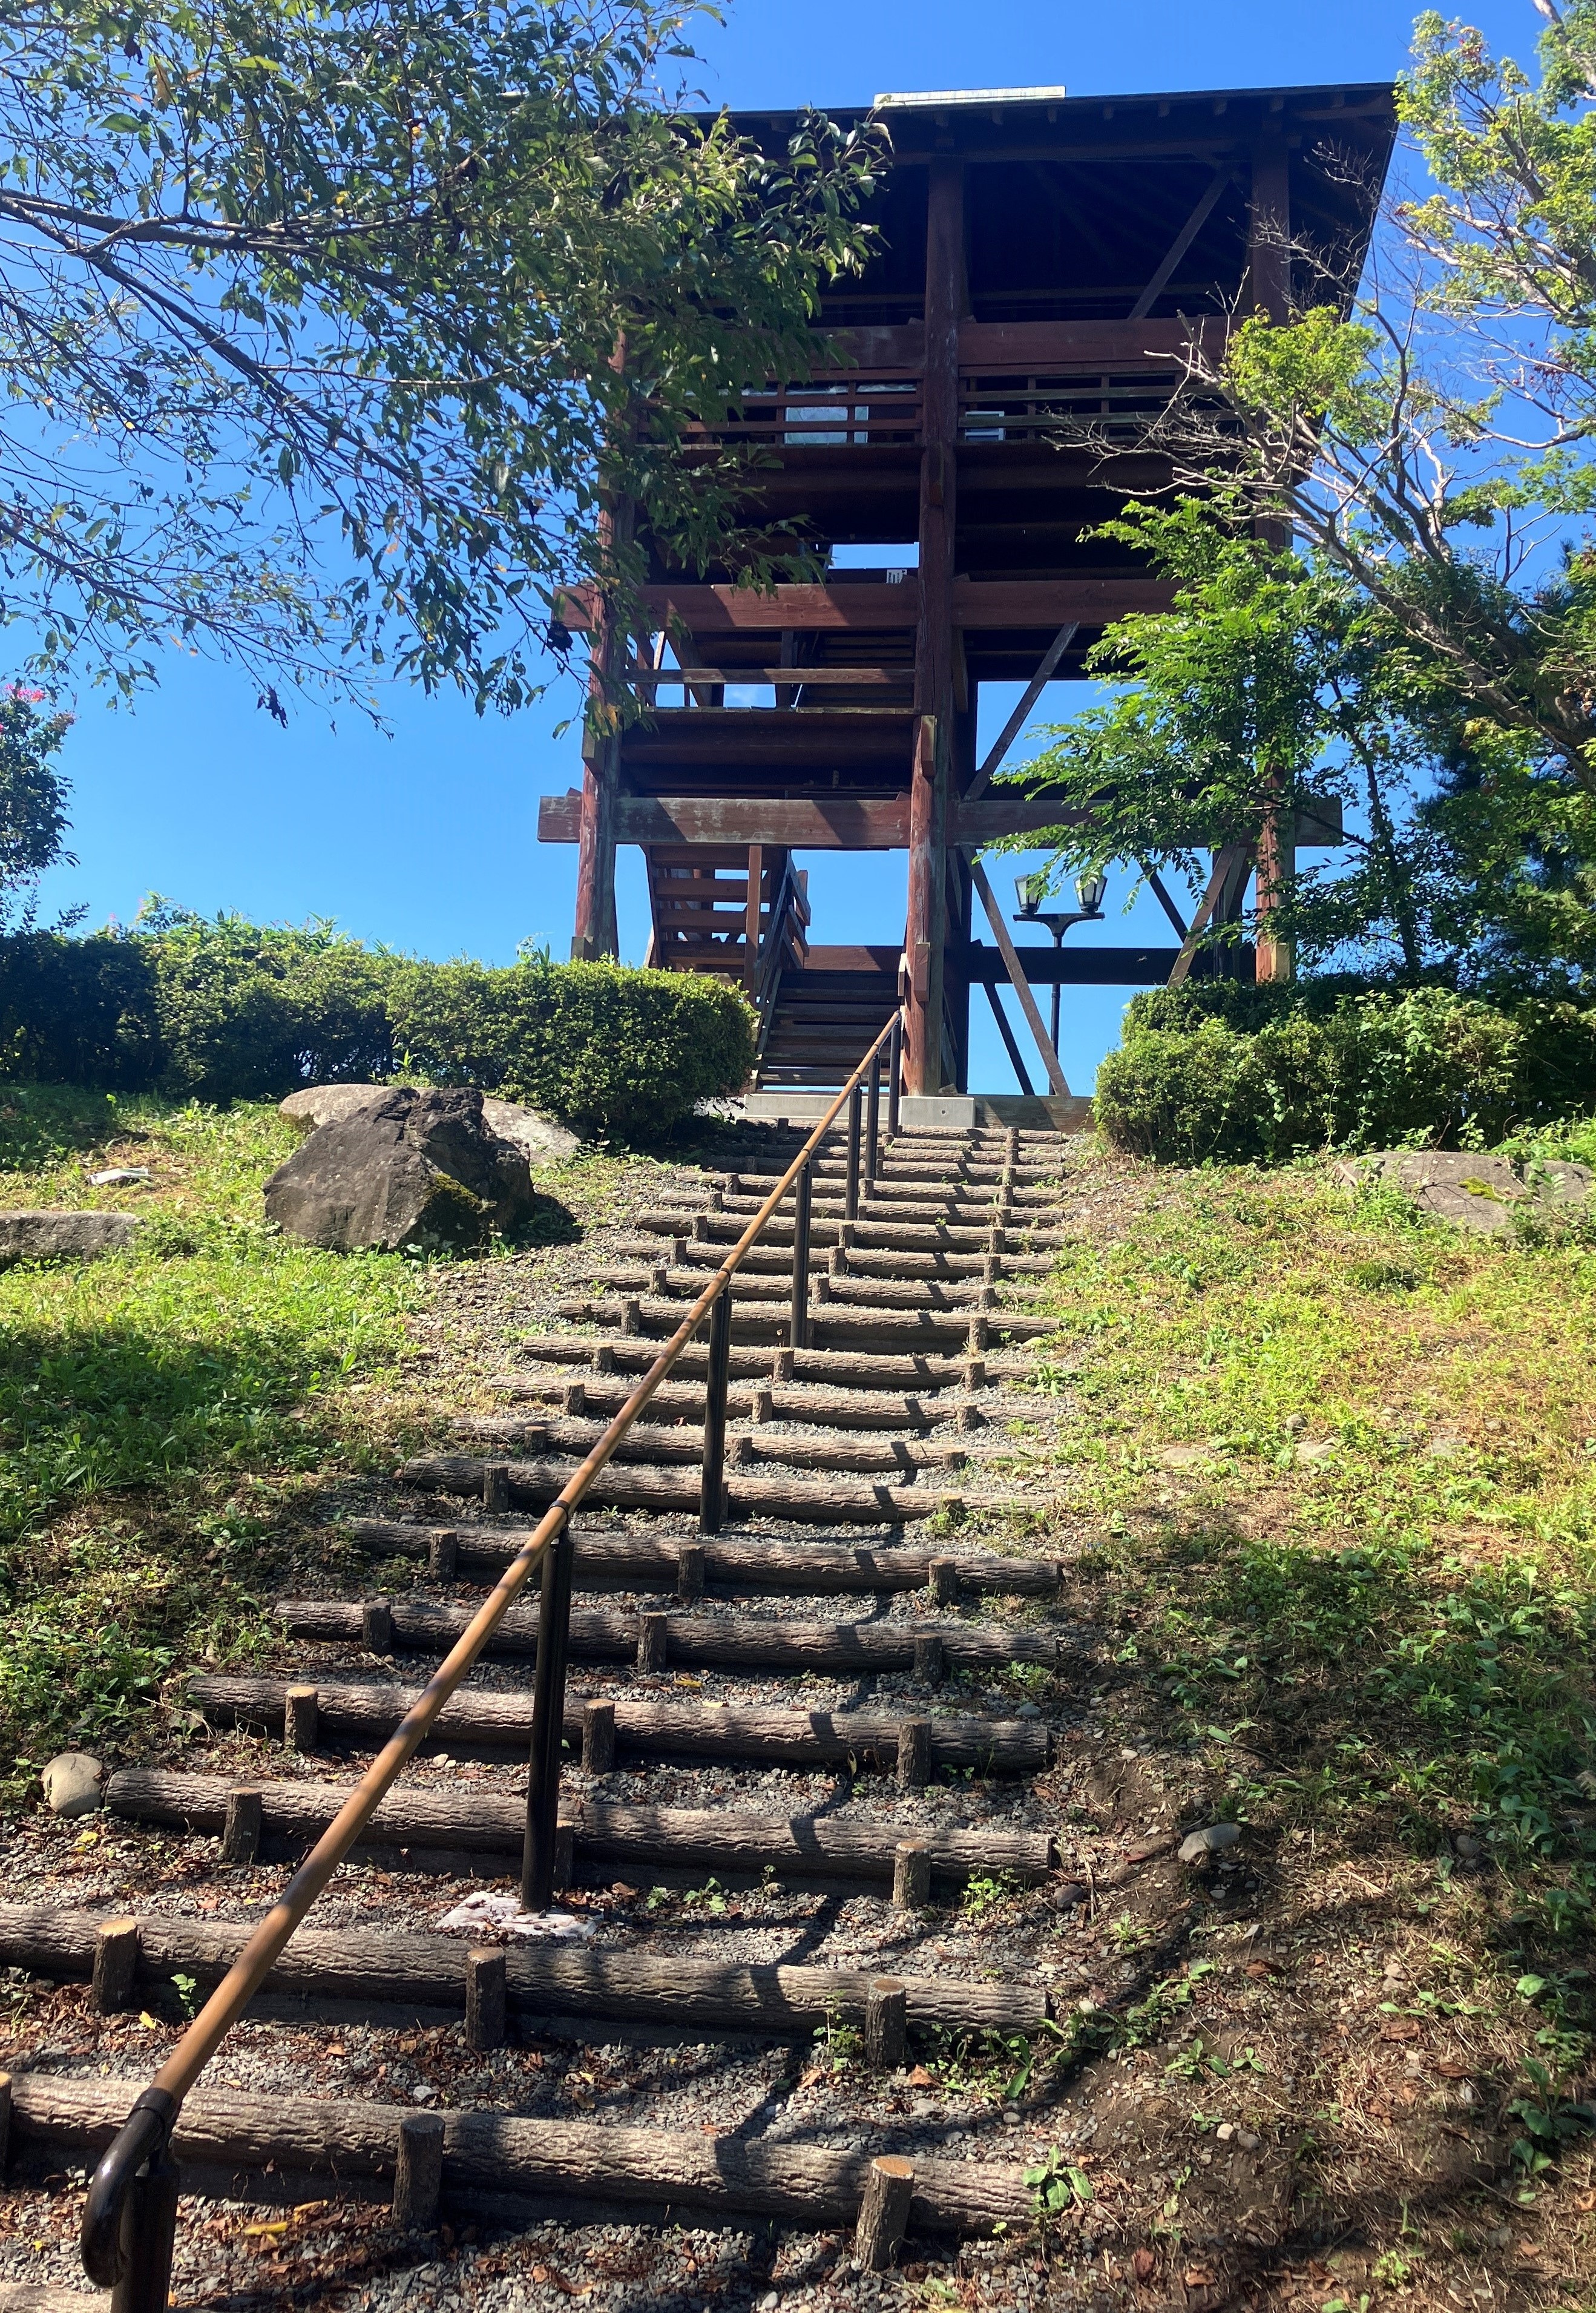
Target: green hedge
(228,1010)
(1316,1068)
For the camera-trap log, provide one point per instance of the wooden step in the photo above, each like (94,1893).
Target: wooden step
(934,1237)
(659,1442)
(833,1324)
(420,1970)
(935,1262)
(688,1641)
(817,1569)
(368,1709)
(626,1486)
(491,2159)
(834,1283)
(918,1371)
(466,1818)
(674,1401)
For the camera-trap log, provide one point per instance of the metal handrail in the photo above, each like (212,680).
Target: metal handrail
(137,2152)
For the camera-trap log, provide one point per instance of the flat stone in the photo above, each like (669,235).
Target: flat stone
(1471,1191)
(1211,1841)
(539,1137)
(64,1236)
(72,1783)
(415,1170)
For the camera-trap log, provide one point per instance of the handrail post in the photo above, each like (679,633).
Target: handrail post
(873,1122)
(804,1195)
(850,1206)
(894,1075)
(712,1497)
(549,1727)
(148,2236)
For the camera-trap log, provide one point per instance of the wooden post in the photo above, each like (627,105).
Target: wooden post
(419,2171)
(689,1570)
(302,1719)
(484,1998)
(911,1875)
(1268,261)
(883,2212)
(115,1965)
(442,1554)
(597,1738)
(376,1626)
(750,917)
(537,1862)
(4,2119)
(914,1753)
(886,2023)
(943,1577)
(594,933)
(496,1488)
(930,1661)
(653,1641)
(712,1493)
(241,1827)
(933,637)
(802,1207)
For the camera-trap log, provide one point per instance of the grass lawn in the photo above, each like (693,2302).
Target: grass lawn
(1329,1473)
(167,1415)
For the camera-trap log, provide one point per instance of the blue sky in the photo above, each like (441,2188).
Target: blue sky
(426,839)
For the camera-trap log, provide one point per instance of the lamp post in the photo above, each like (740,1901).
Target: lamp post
(1089,891)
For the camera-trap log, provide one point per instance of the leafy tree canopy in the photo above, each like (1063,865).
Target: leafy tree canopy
(33,821)
(311,310)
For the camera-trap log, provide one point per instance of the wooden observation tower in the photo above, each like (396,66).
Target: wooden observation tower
(1044,261)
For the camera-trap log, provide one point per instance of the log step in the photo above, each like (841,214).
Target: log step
(661,1442)
(492,1718)
(919,1371)
(834,1325)
(642,1560)
(493,2156)
(836,1283)
(465,1818)
(429,1971)
(689,1642)
(826,1230)
(933,1264)
(675,1401)
(534,1484)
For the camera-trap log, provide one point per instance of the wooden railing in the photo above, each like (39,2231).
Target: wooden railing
(786,943)
(860,409)
(1009,406)
(131,2215)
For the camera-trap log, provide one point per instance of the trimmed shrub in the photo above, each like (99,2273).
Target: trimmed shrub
(80,1011)
(229,1010)
(1364,1071)
(627,1051)
(252,1011)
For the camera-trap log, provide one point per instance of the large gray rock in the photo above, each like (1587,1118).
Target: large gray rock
(72,1783)
(63,1236)
(539,1137)
(1476,1192)
(414,1169)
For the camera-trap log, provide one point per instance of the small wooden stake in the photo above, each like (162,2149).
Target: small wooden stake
(376,1626)
(4,2119)
(929,1661)
(883,2212)
(597,1738)
(485,1997)
(575,1397)
(565,1852)
(116,1963)
(442,1554)
(943,1575)
(689,1572)
(301,1718)
(241,1828)
(911,1875)
(914,1753)
(631,1316)
(886,2023)
(496,1487)
(653,1641)
(418,2172)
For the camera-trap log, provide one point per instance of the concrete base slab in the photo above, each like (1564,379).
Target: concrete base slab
(948,1112)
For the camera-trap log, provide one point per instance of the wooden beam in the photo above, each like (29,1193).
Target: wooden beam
(1040,605)
(923,930)
(792,678)
(1226,864)
(1016,1057)
(1154,883)
(1028,1004)
(824,822)
(1018,719)
(1067,967)
(1182,241)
